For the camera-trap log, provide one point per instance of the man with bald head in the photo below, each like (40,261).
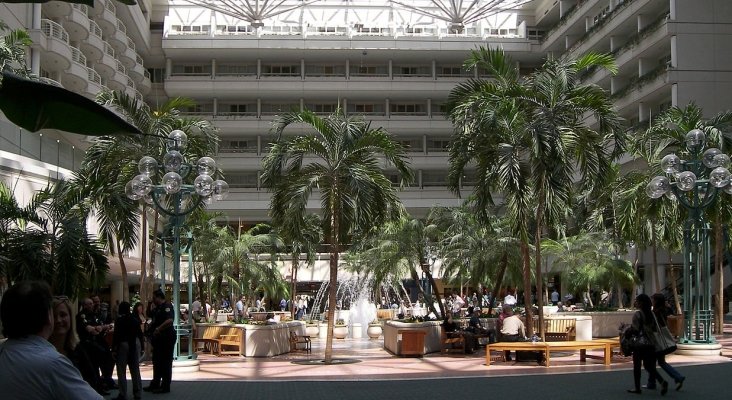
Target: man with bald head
(91,336)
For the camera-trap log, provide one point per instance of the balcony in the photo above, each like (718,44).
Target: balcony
(105,15)
(57,54)
(56,9)
(652,86)
(75,78)
(76,23)
(107,65)
(95,82)
(119,80)
(118,39)
(93,46)
(128,56)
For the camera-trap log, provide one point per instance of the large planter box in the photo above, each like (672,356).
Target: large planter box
(604,324)
(259,340)
(393,338)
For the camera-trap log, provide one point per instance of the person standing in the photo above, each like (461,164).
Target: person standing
(509,300)
(91,332)
(163,342)
(31,367)
(643,322)
(555,297)
(661,312)
(126,349)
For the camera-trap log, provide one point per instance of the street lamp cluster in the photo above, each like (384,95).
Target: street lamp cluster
(175,199)
(695,184)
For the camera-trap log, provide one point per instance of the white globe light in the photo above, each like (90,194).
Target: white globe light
(686,181)
(657,187)
(172,182)
(177,140)
(719,177)
(695,140)
(173,160)
(206,166)
(130,193)
(221,190)
(141,185)
(147,166)
(204,185)
(710,157)
(671,163)
(722,160)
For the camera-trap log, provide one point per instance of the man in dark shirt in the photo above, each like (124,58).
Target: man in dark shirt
(91,333)
(163,342)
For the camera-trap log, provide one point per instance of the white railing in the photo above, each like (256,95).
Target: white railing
(77,56)
(138,96)
(121,68)
(94,29)
(130,82)
(110,6)
(108,49)
(82,7)
(94,76)
(55,30)
(50,81)
(121,26)
(147,74)
(138,59)
(131,44)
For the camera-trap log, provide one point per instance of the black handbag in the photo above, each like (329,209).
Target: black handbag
(635,341)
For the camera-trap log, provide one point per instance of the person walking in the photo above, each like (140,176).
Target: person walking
(163,342)
(126,349)
(661,312)
(643,322)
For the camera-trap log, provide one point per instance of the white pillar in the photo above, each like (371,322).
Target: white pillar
(116,292)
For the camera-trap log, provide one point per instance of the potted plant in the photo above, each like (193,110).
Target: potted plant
(340,330)
(374,330)
(311,328)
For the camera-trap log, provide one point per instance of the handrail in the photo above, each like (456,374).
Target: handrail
(108,49)
(94,29)
(121,26)
(94,76)
(130,82)
(77,56)
(131,44)
(81,7)
(55,30)
(121,68)
(110,6)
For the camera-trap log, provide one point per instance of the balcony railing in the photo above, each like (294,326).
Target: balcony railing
(55,30)
(599,24)
(121,26)
(639,82)
(94,76)
(94,29)
(110,6)
(108,49)
(77,56)
(130,82)
(81,7)
(642,34)
(121,68)
(50,81)
(131,44)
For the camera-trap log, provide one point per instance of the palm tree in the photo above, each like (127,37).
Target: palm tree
(208,244)
(531,141)
(48,240)
(111,162)
(13,47)
(343,166)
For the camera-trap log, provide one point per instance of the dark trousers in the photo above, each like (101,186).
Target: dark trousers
(162,359)
(648,358)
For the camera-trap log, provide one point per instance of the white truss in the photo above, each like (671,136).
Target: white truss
(458,13)
(252,11)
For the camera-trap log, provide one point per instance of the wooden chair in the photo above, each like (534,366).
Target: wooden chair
(209,340)
(231,339)
(560,329)
(296,341)
(455,343)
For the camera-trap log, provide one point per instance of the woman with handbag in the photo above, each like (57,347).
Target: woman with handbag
(665,344)
(643,325)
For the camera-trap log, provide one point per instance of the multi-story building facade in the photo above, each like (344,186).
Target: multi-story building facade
(391,63)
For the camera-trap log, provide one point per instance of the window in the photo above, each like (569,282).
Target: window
(239,29)
(364,108)
(324,108)
(192,69)
(157,75)
(238,108)
(406,109)
(451,71)
(281,70)
(236,70)
(367,70)
(438,144)
(413,30)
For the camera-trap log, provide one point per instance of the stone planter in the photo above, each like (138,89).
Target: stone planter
(340,331)
(322,331)
(374,331)
(312,330)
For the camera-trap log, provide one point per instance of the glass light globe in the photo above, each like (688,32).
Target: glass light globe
(204,185)
(141,185)
(221,189)
(709,157)
(695,140)
(206,166)
(172,182)
(719,177)
(686,181)
(671,163)
(177,140)
(131,193)
(657,187)
(147,166)
(148,199)
(173,160)
(722,160)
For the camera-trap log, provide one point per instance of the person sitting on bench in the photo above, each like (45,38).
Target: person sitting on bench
(513,330)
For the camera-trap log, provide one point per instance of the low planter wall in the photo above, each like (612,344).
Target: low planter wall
(432,329)
(259,340)
(604,324)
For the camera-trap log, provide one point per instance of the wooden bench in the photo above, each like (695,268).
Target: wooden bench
(231,339)
(296,341)
(548,347)
(209,338)
(454,343)
(560,329)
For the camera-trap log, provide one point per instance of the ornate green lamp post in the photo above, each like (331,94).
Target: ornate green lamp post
(175,199)
(695,183)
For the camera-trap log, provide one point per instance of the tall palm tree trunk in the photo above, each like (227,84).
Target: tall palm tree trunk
(526,259)
(718,260)
(293,284)
(143,255)
(654,253)
(123,271)
(539,275)
(438,298)
(333,288)
(499,280)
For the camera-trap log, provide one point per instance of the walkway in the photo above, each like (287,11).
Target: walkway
(380,375)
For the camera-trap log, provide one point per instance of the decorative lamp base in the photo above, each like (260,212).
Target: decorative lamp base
(699,349)
(186,366)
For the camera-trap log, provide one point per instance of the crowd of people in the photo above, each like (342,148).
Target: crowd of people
(50,354)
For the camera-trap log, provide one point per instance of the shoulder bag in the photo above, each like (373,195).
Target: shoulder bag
(664,342)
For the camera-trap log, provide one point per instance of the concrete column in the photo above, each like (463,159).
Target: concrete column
(213,68)
(35,64)
(674,52)
(588,23)
(168,68)
(419,179)
(215,106)
(424,146)
(302,68)
(259,108)
(641,21)
(259,68)
(434,69)
(644,112)
(36,23)
(645,65)
(387,111)
(259,145)
(429,108)
(302,104)
(348,69)
(391,72)
(344,106)
(116,292)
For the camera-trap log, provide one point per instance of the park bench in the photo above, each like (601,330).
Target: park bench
(548,347)
(300,343)
(560,329)
(209,339)
(231,339)
(454,343)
